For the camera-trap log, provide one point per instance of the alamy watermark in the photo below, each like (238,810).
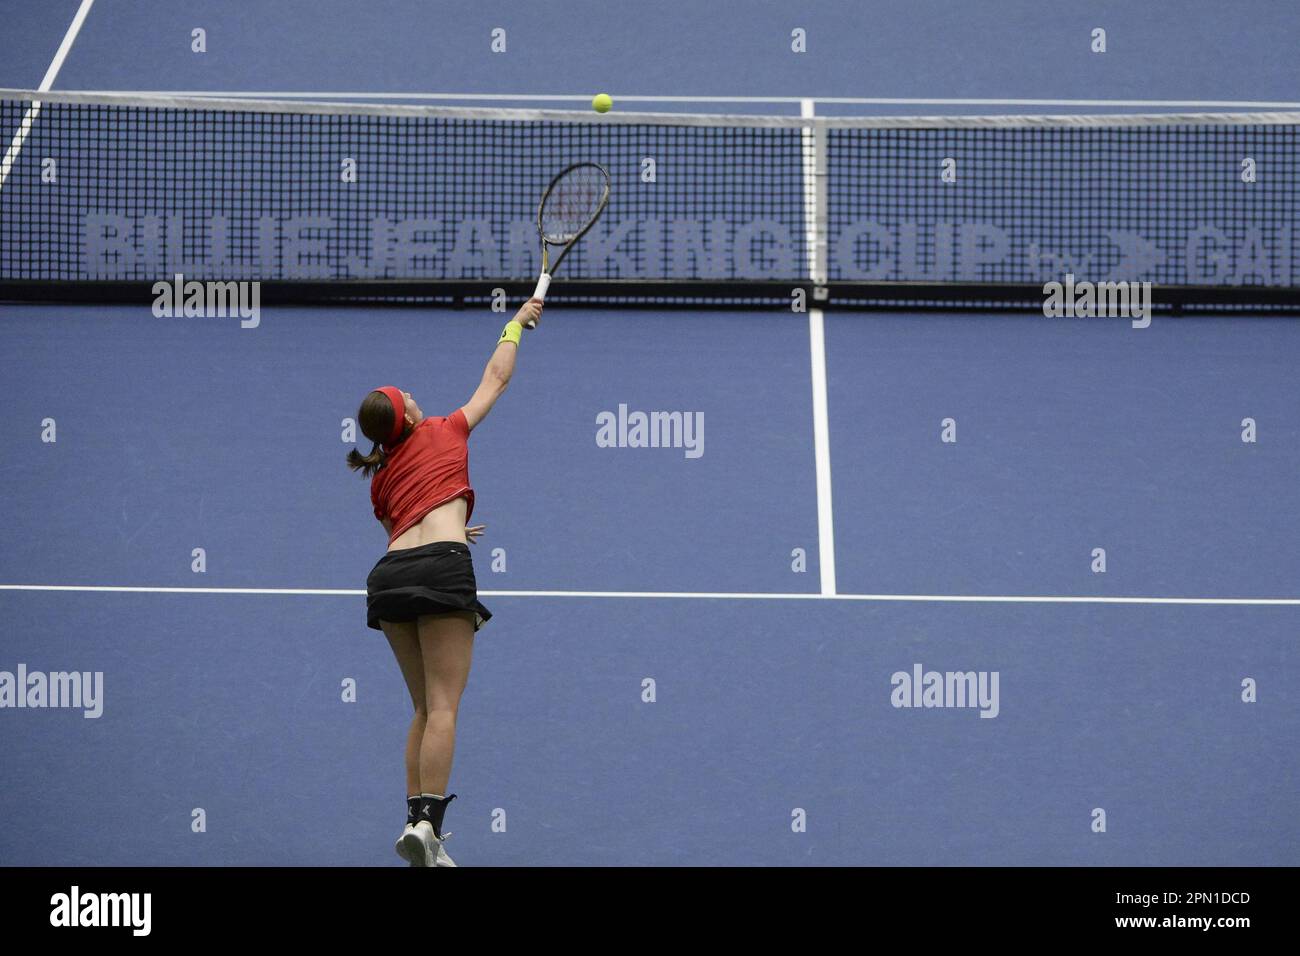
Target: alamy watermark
(1070,299)
(634,429)
(78,690)
(209,300)
(953,689)
(77,909)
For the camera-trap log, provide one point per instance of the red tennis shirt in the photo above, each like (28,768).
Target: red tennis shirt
(430,467)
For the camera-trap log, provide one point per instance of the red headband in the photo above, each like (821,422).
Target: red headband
(399,412)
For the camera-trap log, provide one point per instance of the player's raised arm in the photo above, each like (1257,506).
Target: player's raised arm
(502,364)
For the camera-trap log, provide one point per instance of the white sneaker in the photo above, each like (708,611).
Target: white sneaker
(404,849)
(424,847)
(443,858)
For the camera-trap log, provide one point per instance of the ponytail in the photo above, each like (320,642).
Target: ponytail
(367,464)
(375,417)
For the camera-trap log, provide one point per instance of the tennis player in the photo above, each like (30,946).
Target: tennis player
(422,592)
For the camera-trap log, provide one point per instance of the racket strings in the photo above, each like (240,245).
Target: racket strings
(572,202)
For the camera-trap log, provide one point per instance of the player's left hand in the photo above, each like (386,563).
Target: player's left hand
(474,532)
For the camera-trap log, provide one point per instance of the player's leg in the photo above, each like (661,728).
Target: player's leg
(404,639)
(446,646)
(405,642)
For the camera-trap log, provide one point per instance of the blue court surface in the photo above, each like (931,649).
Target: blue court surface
(768,589)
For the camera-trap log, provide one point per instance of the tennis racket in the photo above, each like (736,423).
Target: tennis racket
(570,206)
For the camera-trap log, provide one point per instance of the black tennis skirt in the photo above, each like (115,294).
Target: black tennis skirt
(434,578)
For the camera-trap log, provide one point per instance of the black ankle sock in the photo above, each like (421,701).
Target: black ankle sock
(412,810)
(432,808)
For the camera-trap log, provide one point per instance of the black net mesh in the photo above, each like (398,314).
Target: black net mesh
(135,191)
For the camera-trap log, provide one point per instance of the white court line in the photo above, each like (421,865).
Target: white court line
(33,111)
(630,98)
(822,452)
(695,595)
(814,181)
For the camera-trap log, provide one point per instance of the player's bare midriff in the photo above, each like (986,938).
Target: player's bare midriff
(444,523)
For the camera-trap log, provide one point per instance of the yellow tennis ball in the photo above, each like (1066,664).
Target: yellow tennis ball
(602,103)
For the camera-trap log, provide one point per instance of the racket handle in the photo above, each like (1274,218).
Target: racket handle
(543,283)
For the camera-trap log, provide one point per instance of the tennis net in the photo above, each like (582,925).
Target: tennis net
(100,193)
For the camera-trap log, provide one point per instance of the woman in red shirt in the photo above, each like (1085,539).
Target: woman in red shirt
(422,593)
